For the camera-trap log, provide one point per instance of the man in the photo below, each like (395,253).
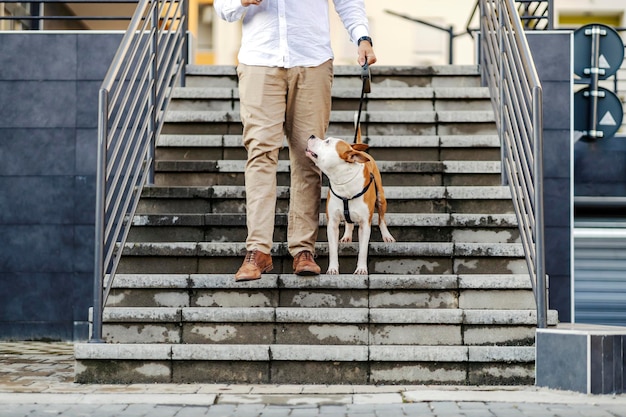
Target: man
(285,76)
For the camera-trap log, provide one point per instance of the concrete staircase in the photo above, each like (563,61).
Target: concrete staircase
(449,303)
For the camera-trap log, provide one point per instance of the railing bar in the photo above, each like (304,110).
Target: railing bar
(518,154)
(121,186)
(526,201)
(526,241)
(512,99)
(525,145)
(523,218)
(73,1)
(517,80)
(132,59)
(70,18)
(128,137)
(110,76)
(118,247)
(516,97)
(133,111)
(165,89)
(124,206)
(164,60)
(129,143)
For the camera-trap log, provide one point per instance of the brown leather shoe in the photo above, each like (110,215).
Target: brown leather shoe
(304,264)
(255,263)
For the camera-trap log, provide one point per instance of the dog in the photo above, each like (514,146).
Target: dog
(355,191)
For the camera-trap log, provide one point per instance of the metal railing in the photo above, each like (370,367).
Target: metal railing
(132,101)
(516,95)
(62,14)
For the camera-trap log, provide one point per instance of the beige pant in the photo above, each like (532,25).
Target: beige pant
(279,102)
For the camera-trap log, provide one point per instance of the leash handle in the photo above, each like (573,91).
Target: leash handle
(366,77)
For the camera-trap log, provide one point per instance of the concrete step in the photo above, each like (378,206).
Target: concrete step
(382,122)
(408,227)
(349,76)
(394,173)
(318,326)
(326,364)
(449,303)
(381,98)
(173,147)
(384,258)
(230,199)
(469,291)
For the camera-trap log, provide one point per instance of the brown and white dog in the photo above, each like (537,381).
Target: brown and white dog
(355,191)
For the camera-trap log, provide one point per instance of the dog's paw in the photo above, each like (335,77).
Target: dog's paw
(346,239)
(332,271)
(389,239)
(360,271)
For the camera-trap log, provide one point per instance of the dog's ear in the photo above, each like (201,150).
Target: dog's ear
(360,147)
(357,156)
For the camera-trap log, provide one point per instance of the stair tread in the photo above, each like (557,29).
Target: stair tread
(276,352)
(391,192)
(238,166)
(353,70)
(351,315)
(382,249)
(386,92)
(324,281)
(344,116)
(376,141)
(503,220)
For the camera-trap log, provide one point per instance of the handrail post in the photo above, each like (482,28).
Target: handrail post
(550,14)
(98,282)
(183,79)
(451,45)
(541,284)
(154,77)
(499,79)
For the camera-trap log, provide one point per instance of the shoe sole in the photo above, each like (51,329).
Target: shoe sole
(243,279)
(306,273)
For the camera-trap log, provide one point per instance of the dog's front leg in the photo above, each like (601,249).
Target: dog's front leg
(365,229)
(347,234)
(332,232)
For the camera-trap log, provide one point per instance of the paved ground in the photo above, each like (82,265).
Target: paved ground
(36,379)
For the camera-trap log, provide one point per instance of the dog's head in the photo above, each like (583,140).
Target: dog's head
(331,153)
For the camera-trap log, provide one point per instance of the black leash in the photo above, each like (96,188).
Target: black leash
(367,87)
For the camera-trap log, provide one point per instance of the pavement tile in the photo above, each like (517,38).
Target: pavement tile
(386,398)
(36,379)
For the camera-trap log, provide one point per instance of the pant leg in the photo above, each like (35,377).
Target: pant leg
(262,94)
(308,113)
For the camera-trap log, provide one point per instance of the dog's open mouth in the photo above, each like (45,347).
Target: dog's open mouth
(311,154)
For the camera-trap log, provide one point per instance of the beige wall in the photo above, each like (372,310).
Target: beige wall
(399,41)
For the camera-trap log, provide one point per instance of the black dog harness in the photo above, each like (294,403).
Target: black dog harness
(346,210)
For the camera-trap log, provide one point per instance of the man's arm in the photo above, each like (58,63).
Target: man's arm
(233,10)
(354,18)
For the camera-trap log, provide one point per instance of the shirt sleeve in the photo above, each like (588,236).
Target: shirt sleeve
(229,10)
(354,18)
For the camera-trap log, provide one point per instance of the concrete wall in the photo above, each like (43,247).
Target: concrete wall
(552,52)
(48,133)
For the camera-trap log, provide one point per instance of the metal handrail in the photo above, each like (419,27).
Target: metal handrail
(516,95)
(535,14)
(34,12)
(132,101)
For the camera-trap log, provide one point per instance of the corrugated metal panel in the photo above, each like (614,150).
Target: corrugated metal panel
(600,275)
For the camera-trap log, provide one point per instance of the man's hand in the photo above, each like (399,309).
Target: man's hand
(246,3)
(365,51)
